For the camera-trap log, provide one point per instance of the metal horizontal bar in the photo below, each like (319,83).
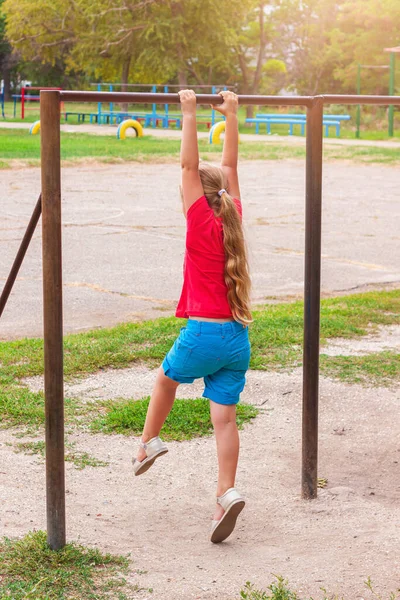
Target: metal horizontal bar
(375,66)
(168,85)
(355,99)
(145,98)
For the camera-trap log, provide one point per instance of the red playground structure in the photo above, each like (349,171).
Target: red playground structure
(26,97)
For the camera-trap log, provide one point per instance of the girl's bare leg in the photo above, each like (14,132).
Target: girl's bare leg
(160,405)
(223,418)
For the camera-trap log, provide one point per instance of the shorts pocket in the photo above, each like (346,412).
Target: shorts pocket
(241,360)
(198,362)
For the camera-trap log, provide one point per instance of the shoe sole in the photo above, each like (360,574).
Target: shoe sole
(227,523)
(146,463)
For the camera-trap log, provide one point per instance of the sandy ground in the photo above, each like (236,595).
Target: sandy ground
(162,518)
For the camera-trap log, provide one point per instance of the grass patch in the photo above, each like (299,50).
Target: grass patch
(276,337)
(18,148)
(277,331)
(30,569)
(279,590)
(377,368)
(187,419)
(78,458)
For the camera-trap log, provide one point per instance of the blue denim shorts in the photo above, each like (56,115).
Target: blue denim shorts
(218,352)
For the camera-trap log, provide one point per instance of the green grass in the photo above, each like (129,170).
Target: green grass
(30,569)
(188,418)
(378,368)
(277,331)
(276,338)
(279,590)
(78,458)
(18,145)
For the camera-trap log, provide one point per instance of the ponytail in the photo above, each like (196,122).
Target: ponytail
(237,276)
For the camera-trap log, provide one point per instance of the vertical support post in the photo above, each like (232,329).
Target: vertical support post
(99,106)
(213,91)
(111,104)
(391,93)
(166,106)
(23,103)
(53,326)
(358,116)
(154,113)
(312,287)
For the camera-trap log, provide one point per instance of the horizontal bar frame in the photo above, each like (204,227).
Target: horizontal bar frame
(52,273)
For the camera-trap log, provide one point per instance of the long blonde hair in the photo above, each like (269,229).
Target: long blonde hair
(237,276)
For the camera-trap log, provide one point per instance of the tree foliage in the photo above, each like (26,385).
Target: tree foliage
(309,46)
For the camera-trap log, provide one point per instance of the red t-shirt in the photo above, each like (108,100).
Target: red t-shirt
(204,291)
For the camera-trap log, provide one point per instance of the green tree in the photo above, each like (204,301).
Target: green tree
(145,40)
(6,62)
(365,29)
(307,39)
(254,42)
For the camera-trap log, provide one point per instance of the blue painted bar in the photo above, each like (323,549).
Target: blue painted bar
(213,91)
(99,104)
(166,106)
(111,103)
(154,119)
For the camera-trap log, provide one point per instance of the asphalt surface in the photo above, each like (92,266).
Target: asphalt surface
(124,233)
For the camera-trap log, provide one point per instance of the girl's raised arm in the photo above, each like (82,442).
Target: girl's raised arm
(192,188)
(229,160)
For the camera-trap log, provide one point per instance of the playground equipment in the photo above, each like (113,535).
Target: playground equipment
(25,97)
(391,68)
(2,103)
(34,128)
(50,205)
(129,123)
(153,118)
(215,132)
(296,119)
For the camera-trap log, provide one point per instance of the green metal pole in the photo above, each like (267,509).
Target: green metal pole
(358,118)
(391,93)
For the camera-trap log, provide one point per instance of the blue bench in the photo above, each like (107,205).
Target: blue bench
(296,119)
(118,117)
(150,119)
(165,119)
(81,116)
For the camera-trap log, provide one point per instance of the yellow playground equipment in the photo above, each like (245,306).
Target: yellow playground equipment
(216,131)
(122,127)
(34,128)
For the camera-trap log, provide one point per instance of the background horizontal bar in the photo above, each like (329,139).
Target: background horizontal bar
(168,85)
(377,100)
(144,98)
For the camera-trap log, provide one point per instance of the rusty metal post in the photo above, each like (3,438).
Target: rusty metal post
(30,230)
(53,326)
(312,289)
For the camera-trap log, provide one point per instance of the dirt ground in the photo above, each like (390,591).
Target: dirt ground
(118,221)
